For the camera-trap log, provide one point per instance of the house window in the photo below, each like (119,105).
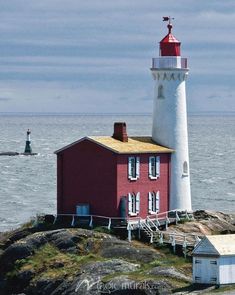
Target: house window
(213,262)
(154,202)
(198,261)
(133,204)
(154,167)
(185,168)
(133,168)
(160,93)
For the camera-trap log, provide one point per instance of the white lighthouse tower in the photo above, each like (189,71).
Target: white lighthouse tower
(169,128)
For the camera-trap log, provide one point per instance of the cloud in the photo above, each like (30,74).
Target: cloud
(3,99)
(214,99)
(61,50)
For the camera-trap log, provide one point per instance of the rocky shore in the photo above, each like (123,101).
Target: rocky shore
(78,261)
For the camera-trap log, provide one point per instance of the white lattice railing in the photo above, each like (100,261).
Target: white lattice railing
(169,62)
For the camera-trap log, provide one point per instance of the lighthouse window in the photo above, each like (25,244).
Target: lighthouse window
(133,203)
(154,167)
(160,92)
(154,202)
(133,168)
(185,168)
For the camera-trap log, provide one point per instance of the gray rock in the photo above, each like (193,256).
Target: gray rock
(103,268)
(36,240)
(17,284)
(43,287)
(68,239)
(122,285)
(25,276)
(128,252)
(16,251)
(8,238)
(89,282)
(206,223)
(63,241)
(110,241)
(21,249)
(62,288)
(169,272)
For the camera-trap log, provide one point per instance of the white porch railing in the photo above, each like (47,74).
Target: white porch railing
(150,225)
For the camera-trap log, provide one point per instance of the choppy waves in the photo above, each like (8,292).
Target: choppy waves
(28,184)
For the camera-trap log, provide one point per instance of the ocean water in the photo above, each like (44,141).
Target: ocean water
(28,184)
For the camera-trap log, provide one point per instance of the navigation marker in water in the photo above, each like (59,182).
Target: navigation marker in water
(28,148)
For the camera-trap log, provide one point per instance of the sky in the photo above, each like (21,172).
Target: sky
(94,56)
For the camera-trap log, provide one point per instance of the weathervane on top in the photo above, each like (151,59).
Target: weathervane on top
(168,19)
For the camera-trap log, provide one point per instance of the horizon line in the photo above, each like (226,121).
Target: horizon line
(110,113)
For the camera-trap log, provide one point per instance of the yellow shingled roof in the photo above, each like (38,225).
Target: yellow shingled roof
(224,244)
(141,144)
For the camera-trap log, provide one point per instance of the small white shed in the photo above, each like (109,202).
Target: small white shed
(214,260)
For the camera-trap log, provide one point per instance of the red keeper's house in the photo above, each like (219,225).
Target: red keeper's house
(116,176)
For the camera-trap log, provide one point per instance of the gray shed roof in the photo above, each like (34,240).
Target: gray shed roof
(216,245)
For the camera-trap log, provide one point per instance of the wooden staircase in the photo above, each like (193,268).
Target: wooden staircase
(155,229)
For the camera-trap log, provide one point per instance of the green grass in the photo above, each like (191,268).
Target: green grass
(167,259)
(184,220)
(223,288)
(49,262)
(170,259)
(103,229)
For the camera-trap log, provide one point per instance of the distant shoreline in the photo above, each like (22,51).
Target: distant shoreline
(191,114)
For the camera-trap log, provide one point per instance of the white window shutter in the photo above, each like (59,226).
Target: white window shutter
(129,167)
(129,204)
(150,166)
(137,202)
(158,201)
(137,167)
(158,166)
(150,202)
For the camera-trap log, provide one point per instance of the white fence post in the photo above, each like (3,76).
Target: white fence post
(177,217)
(109,225)
(72,224)
(91,222)
(139,236)
(173,243)
(129,231)
(55,219)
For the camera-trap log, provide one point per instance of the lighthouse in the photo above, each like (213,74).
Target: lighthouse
(28,149)
(169,127)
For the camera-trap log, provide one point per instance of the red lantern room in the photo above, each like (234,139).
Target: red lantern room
(169,45)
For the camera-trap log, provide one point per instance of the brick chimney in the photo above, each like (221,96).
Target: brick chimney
(120,131)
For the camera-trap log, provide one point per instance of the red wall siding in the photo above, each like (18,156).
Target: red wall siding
(144,184)
(87,173)
(60,183)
